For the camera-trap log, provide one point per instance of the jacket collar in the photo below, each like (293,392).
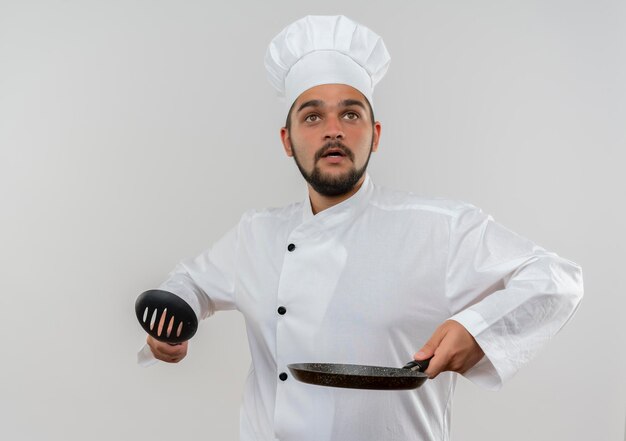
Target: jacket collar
(341,212)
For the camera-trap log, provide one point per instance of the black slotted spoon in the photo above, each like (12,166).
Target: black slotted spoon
(165,316)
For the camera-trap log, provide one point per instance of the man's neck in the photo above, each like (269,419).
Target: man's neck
(320,202)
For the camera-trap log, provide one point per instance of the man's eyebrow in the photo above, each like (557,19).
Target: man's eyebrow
(311,103)
(351,102)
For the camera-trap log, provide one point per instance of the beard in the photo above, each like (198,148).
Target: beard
(332,185)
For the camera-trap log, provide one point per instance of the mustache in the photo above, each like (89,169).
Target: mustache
(334,145)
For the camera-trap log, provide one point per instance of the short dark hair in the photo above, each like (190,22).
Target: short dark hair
(288,122)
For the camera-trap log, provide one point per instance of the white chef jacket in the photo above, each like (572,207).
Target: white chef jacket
(367,281)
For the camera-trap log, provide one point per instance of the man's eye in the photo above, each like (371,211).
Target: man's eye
(351,115)
(311,118)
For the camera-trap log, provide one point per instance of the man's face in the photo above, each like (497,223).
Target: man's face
(331,137)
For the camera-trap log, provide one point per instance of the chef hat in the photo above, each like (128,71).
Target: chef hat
(325,50)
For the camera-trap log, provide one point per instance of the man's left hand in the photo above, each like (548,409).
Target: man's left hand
(454,348)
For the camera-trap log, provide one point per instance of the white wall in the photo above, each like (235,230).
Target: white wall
(134,133)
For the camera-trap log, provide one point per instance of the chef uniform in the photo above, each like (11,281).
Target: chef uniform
(368,280)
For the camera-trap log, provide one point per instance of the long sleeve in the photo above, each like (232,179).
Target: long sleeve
(206,282)
(510,294)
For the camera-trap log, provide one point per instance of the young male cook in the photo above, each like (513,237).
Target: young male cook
(357,273)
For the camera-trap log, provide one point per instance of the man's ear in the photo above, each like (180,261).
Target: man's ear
(377,129)
(286,140)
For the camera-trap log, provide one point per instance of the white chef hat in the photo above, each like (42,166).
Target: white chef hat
(325,50)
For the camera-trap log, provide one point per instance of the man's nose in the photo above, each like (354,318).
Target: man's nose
(333,129)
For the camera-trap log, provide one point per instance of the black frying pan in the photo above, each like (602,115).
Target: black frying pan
(354,376)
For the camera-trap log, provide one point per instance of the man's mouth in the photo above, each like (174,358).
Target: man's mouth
(334,152)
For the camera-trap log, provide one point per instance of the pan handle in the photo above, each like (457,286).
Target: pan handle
(415,365)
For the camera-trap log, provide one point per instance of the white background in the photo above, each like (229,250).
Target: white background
(135,133)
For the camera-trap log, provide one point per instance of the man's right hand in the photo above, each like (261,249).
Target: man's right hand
(167,352)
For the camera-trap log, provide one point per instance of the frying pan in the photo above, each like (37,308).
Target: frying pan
(165,316)
(410,376)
